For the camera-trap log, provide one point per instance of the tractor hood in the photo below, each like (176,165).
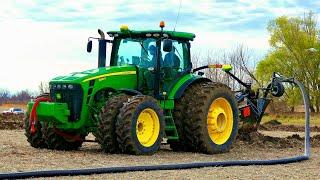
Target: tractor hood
(81,77)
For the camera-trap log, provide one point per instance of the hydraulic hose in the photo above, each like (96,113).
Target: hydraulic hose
(102,170)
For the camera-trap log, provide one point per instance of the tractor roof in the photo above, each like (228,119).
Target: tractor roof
(154,33)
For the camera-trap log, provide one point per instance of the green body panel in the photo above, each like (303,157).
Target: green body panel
(83,77)
(167,104)
(51,111)
(110,77)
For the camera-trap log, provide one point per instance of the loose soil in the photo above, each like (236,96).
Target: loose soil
(11,121)
(17,155)
(275,125)
(273,140)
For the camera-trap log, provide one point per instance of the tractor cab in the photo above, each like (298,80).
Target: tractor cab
(160,56)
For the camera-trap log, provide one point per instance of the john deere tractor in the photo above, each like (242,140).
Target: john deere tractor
(146,96)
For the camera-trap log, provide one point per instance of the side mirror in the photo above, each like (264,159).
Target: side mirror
(89,46)
(167,45)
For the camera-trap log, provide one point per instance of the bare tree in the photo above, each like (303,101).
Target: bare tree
(21,96)
(240,58)
(4,96)
(44,88)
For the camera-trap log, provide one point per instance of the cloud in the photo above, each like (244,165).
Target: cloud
(33,52)
(42,39)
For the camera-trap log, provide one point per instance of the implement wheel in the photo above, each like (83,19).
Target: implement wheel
(140,126)
(213,124)
(106,133)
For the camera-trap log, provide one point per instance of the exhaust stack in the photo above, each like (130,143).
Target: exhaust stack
(102,52)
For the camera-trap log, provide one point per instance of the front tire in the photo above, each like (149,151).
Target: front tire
(35,140)
(106,133)
(140,126)
(58,142)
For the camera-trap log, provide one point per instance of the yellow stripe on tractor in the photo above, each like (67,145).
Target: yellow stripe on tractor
(110,74)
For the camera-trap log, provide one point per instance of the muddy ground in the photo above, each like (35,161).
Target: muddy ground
(17,155)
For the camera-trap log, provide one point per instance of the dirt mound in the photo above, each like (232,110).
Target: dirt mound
(11,121)
(259,140)
(315,141)
(256,139)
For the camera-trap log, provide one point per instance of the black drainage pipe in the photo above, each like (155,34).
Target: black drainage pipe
(77,172)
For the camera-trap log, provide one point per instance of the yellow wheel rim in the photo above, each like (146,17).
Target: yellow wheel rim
(148,127)
(220,121)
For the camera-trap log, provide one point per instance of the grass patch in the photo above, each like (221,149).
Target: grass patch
(292,118)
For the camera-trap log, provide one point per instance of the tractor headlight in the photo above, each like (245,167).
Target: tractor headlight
(62,86)
(70,86)
(53,86)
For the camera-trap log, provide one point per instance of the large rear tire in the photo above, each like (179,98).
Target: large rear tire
(58,142)
(106,133)
(140,126)
(213,124)
(180,114)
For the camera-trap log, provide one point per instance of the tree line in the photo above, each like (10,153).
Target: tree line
(20,97)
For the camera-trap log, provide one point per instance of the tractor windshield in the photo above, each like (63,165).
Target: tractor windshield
(140,52)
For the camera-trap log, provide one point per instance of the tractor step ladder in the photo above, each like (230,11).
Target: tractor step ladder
(170,128)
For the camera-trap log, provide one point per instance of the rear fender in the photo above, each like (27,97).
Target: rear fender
(180,87)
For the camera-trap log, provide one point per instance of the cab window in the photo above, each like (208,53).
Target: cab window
(177,58)
(140,52)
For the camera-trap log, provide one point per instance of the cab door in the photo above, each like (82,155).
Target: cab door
(175,63)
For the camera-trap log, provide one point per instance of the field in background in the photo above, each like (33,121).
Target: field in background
(292,118)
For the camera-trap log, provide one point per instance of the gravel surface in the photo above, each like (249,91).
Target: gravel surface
(17,155)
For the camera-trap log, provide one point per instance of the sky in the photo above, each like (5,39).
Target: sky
(41,39)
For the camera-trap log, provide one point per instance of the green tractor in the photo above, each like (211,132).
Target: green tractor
(146,96)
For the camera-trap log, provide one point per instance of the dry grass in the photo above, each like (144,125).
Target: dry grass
(292,118)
